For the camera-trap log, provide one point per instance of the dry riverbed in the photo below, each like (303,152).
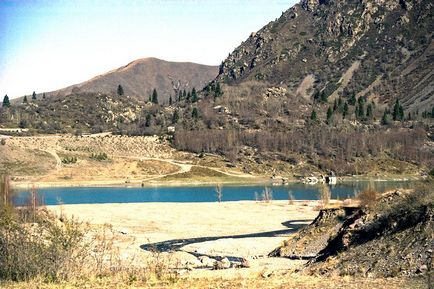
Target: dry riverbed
(182,232)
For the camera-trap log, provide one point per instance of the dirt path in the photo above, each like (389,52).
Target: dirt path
(56,157)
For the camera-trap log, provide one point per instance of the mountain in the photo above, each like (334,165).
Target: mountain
(380,50)
(141,76)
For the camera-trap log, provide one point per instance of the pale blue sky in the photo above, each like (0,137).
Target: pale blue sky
(46,45)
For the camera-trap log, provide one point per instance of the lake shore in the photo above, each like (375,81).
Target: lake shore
(237,229)
(260,180)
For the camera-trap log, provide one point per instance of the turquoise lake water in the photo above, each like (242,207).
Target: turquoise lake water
(100,195)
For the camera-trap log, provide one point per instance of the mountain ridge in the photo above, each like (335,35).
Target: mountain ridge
(141,76)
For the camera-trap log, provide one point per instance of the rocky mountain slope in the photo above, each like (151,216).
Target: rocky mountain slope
(141,76)
(380,49)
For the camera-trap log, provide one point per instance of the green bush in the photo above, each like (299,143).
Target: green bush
(69,160)
(99,156)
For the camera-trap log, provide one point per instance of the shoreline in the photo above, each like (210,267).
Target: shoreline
(260,180)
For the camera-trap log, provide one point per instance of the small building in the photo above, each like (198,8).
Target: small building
(331,179)
(171,129)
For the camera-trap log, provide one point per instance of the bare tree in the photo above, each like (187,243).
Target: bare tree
(267,195)
(219,192)
(290,197)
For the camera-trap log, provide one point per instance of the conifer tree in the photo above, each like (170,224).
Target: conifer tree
(6,101)
(384,119)
(154,96)
(329,115)
(170,100)
(352,99)
(194,95)
(398,111)
(218,90)
(195,113)
(345,110)
(175,117)
(120,90)
(188,96)
(43,96)
(25,99)
(335,105)
(34,95)
(369,112)
(179,95)
(313,115)
(148,120)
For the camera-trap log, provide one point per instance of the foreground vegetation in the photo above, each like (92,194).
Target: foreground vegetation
(41,250)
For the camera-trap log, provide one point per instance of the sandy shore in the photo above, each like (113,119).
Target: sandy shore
(237,229)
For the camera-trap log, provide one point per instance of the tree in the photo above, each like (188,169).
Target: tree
(432,112)
(345,110)
(324,97)
(218,90)
(195,113)
(313,116)
(154,96)
(398,111)
(6,102)
(329,115)
(194,95)
(120,90)
(148,120)
(175,117)
(25,99)
(384,120)
(43,96)
(170,100)
(352,99)
(179,95)
(34,95)
(335,105)
(188,96)
(369,111)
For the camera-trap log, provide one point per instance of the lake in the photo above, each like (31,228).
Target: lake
(100,195)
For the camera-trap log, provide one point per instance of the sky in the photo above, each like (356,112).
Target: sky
(50,44)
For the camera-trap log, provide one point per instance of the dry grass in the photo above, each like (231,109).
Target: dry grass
(122,280)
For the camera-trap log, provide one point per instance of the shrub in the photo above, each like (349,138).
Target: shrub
(3,142)
(324,195)
(99,156)
(267,195)
(69,160)
(367,198)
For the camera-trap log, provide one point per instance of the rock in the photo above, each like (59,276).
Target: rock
(267,273)
(245,263)
(223,264)
(207,261)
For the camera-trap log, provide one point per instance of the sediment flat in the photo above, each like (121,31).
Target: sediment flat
(237,229)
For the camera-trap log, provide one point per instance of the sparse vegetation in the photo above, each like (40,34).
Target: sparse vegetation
(99,156)
(69,160)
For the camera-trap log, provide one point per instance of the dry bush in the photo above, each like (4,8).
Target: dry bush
(267,195)
(219,193)
(324,195)
(36,245)
(367,198)
(290,198)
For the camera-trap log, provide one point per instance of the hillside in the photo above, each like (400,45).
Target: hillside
(345,86)
(392,236)
(381,50)
(141,76)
